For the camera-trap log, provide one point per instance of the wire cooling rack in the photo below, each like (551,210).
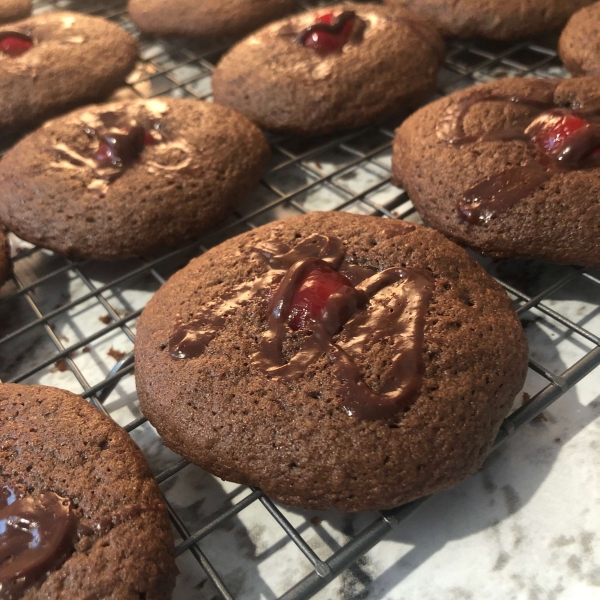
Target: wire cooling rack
(72,323)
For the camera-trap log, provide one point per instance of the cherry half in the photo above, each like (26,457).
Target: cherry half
(329,33)
(310,298)
(564,136)
(121,147)
(14,43)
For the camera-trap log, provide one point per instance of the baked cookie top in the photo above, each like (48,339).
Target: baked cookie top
(11,10)
(510,168)
(495,19)
(330,68)
(334,360)
(579,43)
(92,520)
(207,19)
(128,178)
(54,61)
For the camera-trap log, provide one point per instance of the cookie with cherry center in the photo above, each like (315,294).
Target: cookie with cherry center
(12,10)
(81,515)
(209,19)
(333,360)
(129,178)
(53,62)
(510,168)
(495,19)
(330,69)
(579,43)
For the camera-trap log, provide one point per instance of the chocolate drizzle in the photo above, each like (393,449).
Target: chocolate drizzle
(499,192)
(36,536)
(386,308)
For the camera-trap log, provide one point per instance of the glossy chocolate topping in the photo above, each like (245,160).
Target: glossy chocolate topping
(364,308)
(499,192)
(568,149)
(36,536)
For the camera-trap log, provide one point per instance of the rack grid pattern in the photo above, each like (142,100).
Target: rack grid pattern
(350,172)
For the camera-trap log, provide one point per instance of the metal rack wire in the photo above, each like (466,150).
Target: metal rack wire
(348,172)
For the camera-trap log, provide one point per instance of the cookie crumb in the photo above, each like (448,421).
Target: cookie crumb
(116,354)
(316,521)
(541,418)
(526,398)
(60,366)
(106,319)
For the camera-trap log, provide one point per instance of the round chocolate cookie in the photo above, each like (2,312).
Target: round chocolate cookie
(510,168)
(90,519)
(579,43)
(207,19)
(494,19)
(330,68)
(55,61)
(334,360)
(129,178)
(11,10)
(4,258)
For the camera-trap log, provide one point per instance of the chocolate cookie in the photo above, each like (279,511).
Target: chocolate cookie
(207,19)
(579,43)
(90,519)
(55,61)
(510,168)
(129,178)
(11,10)
(4,258)
(494,19)
(330,68)
(334,360)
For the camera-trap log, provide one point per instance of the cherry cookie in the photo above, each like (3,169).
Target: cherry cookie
(80,514)
(55,61)
(208,19)
(330,69)
(510,168)
(494,19)
(11,10)
(4,258)
(129,178)
(334,360)
(579,43)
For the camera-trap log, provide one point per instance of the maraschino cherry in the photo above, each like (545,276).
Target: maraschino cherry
(564,136)
(120,147)
(13,43)
(329,33)
(309,300)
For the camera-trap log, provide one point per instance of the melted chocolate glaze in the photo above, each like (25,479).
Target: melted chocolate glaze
(387,307)
(119,146)
(36,536)
(501,191)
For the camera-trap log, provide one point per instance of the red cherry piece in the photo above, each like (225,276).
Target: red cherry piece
(550,130)
(149,139)
(324,40)
(326,18)
(15,44)
(309,300)
(104,153)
